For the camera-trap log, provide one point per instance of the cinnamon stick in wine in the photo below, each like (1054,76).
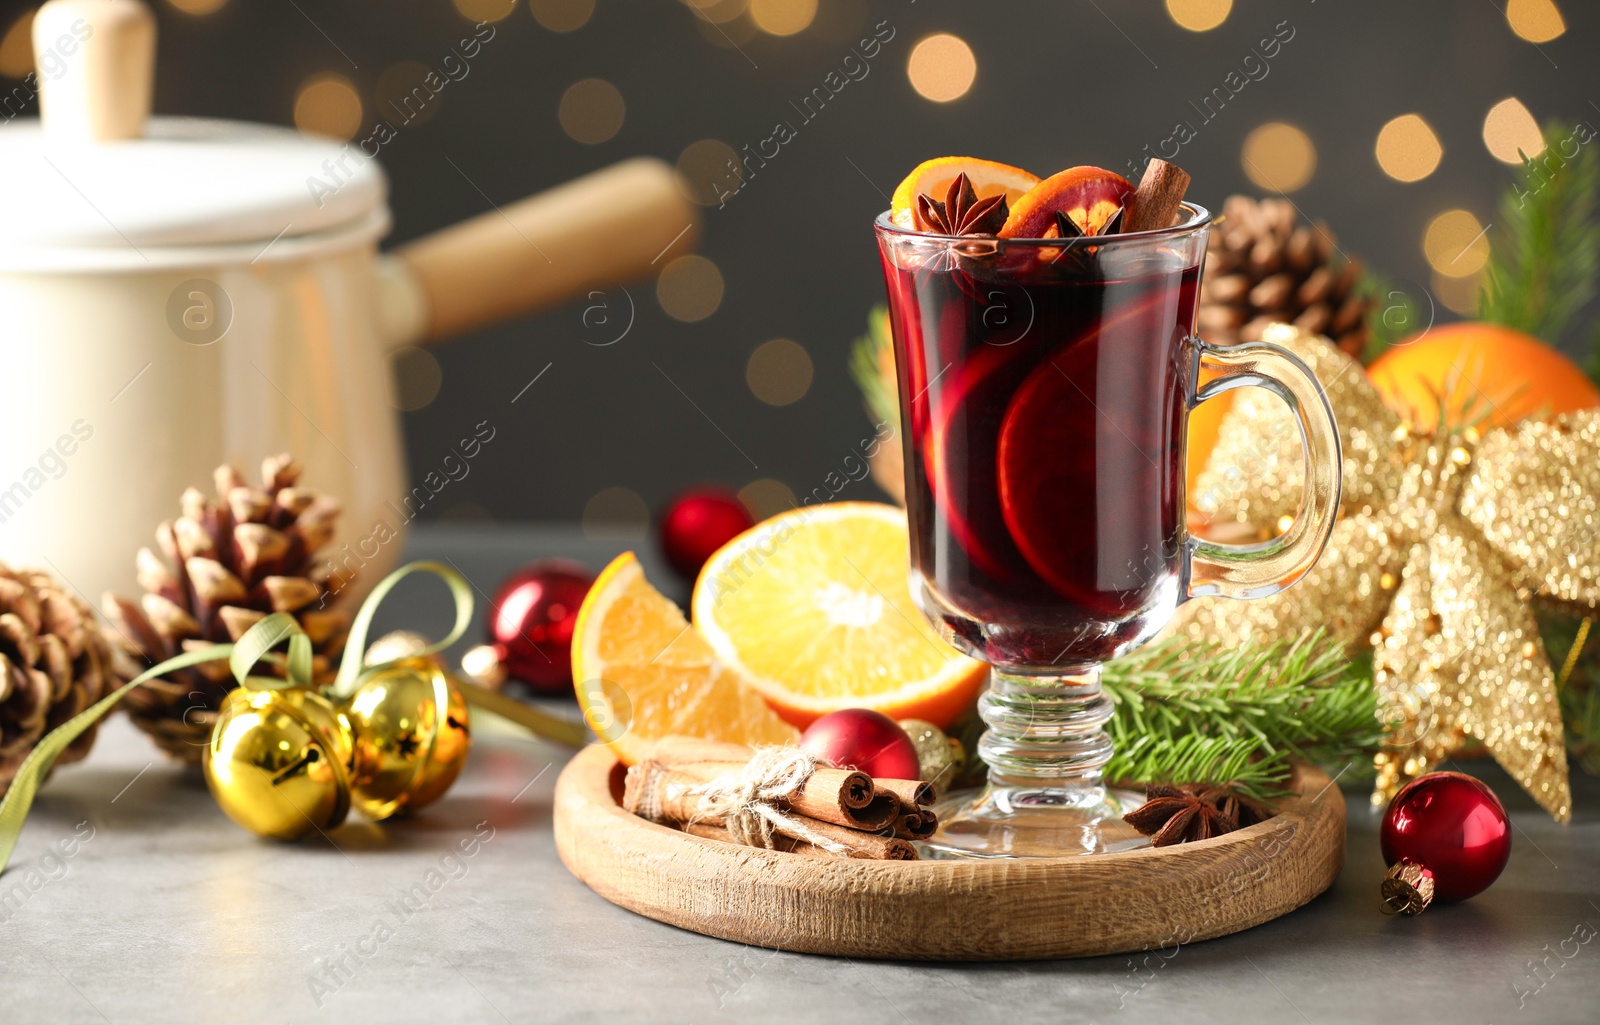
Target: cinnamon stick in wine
(1155,203)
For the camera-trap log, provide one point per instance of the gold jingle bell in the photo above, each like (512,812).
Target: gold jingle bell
(279,761)
(940,758)
(412,735)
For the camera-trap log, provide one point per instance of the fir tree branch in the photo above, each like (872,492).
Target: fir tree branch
(866,362)
(1544,265)
(1580,691)
(1394,316)
(1591,366)
(1203,713)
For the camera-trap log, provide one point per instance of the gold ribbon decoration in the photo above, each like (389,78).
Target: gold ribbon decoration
(1445,538)
(254,647)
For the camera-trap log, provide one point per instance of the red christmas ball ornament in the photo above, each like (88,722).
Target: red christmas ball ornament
(697,523)
(530,627)
(862,739)
(1445,837)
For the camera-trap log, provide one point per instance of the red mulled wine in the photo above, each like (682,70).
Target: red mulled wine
(1043,403)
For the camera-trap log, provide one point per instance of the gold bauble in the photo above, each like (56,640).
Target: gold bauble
(939,758)
(278,762)
(411,737)
(1445,541)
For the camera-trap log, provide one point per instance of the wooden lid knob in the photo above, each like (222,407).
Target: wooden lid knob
(96,67)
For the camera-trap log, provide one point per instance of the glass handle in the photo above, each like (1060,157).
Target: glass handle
(1259,570)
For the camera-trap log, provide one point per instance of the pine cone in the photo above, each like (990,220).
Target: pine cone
(1264,267)
(54,663)
(229,562)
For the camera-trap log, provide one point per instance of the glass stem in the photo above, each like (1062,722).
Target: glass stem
(1046,732)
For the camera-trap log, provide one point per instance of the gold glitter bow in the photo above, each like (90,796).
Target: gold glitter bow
(1443,541)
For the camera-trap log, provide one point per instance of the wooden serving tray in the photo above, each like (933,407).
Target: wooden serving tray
(977,910)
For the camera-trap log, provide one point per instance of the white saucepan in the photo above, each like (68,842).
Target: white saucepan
(178,293)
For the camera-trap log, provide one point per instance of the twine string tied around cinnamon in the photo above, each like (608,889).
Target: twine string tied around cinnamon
(749,801)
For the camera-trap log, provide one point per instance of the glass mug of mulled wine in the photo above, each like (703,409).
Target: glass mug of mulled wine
(1045,386)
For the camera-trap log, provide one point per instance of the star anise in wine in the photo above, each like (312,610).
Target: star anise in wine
(1066,227)
(1193,811)
(962,212)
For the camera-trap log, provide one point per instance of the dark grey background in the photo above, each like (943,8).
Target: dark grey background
(1058,84)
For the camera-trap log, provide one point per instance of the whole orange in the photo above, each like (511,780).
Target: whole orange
(1484,373)
(1205,424)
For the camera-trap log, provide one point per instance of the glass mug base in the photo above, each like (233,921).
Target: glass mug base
(1045,747)
(1034,822)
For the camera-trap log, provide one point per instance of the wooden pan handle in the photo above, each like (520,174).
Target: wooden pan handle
(612,225)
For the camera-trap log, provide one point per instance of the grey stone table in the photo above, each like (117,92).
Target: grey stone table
(131,899)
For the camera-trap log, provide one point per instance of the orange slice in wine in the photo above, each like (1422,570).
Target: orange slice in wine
(1085,479)
(1090,196)
(961,470)
(932,178)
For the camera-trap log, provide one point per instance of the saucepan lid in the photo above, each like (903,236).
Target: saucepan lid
(96,178)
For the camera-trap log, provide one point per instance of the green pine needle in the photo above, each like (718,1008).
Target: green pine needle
(1205,713)
(1591,366)
(865,363)
(1544,265)
(1394,316)
(1580,691)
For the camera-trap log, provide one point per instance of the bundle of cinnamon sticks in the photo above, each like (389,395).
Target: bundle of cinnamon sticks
(833,813)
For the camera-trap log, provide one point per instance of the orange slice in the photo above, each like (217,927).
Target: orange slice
(1091,196)
(813,608)
(642,672)
(933,177)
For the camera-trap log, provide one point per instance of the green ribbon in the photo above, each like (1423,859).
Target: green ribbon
(243,655)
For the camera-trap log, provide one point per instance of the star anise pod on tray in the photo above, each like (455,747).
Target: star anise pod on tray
(962,212)
(1193,811)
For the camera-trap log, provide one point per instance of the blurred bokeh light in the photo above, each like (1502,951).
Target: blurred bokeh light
(942,67)
(485,10)
(197,7)
(1199,15)
(328,104)
(689,288)
(1537,21)
(562,15)
(1456,244)
(1408,150)
(591,111)
(1279,157)
(782,17)
(779,372)
(616,514)
(1508,128)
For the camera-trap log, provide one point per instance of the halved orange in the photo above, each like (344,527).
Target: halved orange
(1091,196)
(933,177)
(642,672)
(813,609)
